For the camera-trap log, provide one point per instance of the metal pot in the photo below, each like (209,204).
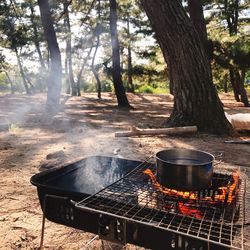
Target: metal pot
(184,169)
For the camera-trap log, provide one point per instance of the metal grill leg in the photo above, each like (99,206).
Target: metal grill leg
(42,233)
(43,223)
(102,245)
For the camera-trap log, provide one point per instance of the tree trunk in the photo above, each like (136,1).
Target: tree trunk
(237,81)
(22,72)
(116,69)
(196,15)
(55,79)
(81,70)
(29,82)
(236,16)
(98,82)
(36,37)
(69,50)
(195,98)
(234,84)
(231,11)
(195,10)
(225,85)
(240,77)
(66,70)
(11,83)
(130,79)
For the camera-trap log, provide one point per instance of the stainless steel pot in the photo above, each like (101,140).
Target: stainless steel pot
(184,169)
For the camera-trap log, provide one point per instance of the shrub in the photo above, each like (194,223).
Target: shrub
(145,89)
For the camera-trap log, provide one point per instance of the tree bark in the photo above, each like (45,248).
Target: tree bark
(196,15)
(195,98)
(55,79)
(116,69)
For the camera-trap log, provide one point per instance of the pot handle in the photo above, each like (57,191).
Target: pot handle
(218,155)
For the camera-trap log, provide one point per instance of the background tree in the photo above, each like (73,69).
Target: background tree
(116,67)
(35,35)
(54,84)
(142,65)
(4,69)
(225,53)
(195,99)
(69,66)
(15,31)
(233,54)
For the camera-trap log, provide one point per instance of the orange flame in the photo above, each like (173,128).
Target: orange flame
(224,192)
(168,191)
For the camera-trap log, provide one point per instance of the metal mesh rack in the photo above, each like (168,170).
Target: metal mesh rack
(215,215)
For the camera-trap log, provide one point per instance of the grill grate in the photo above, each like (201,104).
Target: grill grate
(206,215)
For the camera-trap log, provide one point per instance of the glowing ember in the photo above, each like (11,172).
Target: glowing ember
(225,192)
(184,209)
(232,190)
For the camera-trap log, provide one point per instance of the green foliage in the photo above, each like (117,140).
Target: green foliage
(240,52)
(107,86)
(87,86)
(11,26)
(231,41)
(145,89)
(161,91)
(151,90)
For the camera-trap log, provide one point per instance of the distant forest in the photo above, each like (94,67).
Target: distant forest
(84,37)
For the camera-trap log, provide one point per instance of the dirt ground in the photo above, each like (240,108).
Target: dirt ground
(85,126)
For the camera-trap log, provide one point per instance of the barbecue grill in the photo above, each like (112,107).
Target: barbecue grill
(121,201)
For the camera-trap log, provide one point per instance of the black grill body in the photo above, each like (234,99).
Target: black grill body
(60,189)
(82,178)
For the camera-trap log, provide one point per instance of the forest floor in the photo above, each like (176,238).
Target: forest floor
(85,126)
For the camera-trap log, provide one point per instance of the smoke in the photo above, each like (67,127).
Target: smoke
(18,110)
(97,173)
(80,130)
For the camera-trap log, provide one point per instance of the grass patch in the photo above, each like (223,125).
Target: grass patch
(151,90)
(13,128)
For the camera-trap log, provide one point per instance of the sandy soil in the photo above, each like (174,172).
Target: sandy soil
(85,126)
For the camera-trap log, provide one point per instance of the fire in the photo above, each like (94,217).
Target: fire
(224,193)
(232,190)
(168,191)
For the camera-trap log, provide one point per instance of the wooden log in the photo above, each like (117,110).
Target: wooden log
(158,131)
(238,142)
